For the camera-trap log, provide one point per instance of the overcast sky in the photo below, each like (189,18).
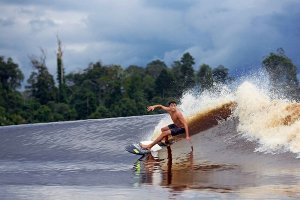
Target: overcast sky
(234,33)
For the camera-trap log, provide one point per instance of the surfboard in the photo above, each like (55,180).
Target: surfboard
(137,149)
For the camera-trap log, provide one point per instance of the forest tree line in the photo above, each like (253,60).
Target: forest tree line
(104,91)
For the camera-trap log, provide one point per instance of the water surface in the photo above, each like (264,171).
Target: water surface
(87,160)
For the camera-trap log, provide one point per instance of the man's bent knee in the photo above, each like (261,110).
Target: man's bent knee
(164,129)
(166,133)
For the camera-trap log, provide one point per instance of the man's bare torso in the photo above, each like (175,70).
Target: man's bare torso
(175,118)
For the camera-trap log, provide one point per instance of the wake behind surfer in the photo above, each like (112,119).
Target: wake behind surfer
(179,125)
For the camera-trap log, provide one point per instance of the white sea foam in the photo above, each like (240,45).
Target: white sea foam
(273,123)
(263,117)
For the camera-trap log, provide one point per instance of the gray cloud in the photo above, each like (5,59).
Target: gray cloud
(40,24)
(234,33)
(6,22)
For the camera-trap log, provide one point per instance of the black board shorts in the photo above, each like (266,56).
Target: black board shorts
(175,130)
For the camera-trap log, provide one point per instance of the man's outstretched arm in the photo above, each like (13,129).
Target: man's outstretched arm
(151,108)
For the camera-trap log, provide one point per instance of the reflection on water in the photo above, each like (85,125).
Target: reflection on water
(179,174)
(185,173)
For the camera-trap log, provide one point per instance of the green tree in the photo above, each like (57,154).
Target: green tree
(220,74)
(135,70)
(177,85)
(126,107)
(163,83)
(62,111)
(282,72)
(105,82)
(10,99)
(11,76)
(149,87)
(84,101)
(14,102)
(17,119)
(3,117)
(43,114)
(41,83)
(155,67)
(91,78)
(133,85)
(29,108)
(99,85)
(113,90)
(101,112)
(183,75)
(205,77)
(187,70)
(60,74)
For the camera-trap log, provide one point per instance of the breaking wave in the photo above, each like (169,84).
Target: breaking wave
(272,123)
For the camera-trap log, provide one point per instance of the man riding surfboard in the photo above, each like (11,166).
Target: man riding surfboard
(179,125)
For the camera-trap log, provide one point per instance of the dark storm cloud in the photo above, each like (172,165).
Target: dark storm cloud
(234,33)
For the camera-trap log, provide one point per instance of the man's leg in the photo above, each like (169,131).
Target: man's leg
(166,137)
(159,138)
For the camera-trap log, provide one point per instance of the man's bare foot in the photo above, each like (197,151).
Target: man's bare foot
(144,146)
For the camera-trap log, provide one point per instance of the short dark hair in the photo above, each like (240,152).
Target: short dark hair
(170,102)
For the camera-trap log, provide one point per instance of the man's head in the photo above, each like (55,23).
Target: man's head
(172,105)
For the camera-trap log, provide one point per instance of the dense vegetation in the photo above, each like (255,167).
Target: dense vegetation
(103,91)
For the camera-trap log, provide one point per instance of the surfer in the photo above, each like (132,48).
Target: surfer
(179,125)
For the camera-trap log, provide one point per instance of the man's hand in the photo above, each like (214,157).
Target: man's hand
(188,138)
(150,108)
